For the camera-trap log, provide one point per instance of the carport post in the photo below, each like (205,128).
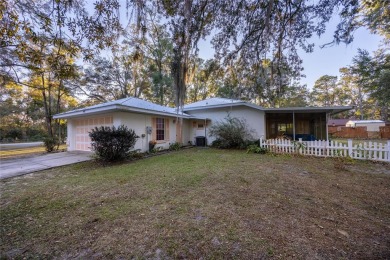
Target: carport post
(205,138)
(293,125)
(326,119)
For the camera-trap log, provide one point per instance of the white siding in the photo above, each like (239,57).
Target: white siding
(70,138)
(186,131)
(139,122)
(254,118)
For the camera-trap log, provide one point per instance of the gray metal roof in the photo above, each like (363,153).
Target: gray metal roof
(218,103)
(141,106)
(332,110)
(125,104)
(212,102)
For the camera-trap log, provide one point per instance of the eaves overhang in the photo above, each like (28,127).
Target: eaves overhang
(235,104)
(328,110)
(116,108)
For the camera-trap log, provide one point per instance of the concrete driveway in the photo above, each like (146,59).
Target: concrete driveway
(20,166)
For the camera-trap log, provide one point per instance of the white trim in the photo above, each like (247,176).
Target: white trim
(224,105)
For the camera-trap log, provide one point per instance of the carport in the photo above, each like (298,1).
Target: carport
(308,123)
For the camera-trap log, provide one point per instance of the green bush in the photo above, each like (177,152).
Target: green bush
(136,154)
(111,143)
(231,133)
(51,144)
(217,143)
(175,146)
(14,134)
(254,148)
(35,134)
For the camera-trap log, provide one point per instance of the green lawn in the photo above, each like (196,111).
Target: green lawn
(200,203)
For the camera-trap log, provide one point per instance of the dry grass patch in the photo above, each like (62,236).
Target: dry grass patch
(200,204)
(28,151)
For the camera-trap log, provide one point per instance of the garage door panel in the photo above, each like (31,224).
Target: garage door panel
(84,126)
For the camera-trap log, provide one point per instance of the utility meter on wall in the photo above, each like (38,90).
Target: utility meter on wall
(149,130)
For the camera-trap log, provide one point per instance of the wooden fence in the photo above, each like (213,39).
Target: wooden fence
(351,132)
(384,132)
(363,151)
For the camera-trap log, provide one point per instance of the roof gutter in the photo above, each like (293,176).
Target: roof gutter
(85,112)
(332,110)
(114,108)
(224,105)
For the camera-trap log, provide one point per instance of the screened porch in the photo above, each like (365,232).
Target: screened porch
(308,123)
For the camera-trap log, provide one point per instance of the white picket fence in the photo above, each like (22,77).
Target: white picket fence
(363,151)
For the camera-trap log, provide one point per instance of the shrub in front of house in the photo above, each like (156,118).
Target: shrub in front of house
(51,144)
(231,133)
(174,146)
(255,148)
(111,143)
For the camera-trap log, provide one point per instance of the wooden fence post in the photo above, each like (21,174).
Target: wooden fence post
(350,148)
(388,150)
(261,142)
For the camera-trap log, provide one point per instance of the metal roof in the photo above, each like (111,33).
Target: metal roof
(332,110)
(218,103)
(141,106)
(125,104)
(225,102)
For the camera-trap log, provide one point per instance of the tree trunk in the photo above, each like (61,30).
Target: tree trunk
(47,110)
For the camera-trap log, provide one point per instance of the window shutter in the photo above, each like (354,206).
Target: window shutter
(154,137)
(166,124)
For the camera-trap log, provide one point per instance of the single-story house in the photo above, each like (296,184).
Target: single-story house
(372,125)
(155,122)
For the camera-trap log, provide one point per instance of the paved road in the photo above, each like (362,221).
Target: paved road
(20,166)
(12,146)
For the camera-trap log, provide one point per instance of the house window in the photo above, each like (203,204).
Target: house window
(160,129)
(200,125)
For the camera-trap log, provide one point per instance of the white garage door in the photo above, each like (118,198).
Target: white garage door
(83,126)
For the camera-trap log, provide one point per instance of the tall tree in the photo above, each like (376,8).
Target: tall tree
(363,71)
(380,88)
(189,21)
(325,91)
(295,96)
(159,52)
(207,80)
(376,16)
(45,57)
